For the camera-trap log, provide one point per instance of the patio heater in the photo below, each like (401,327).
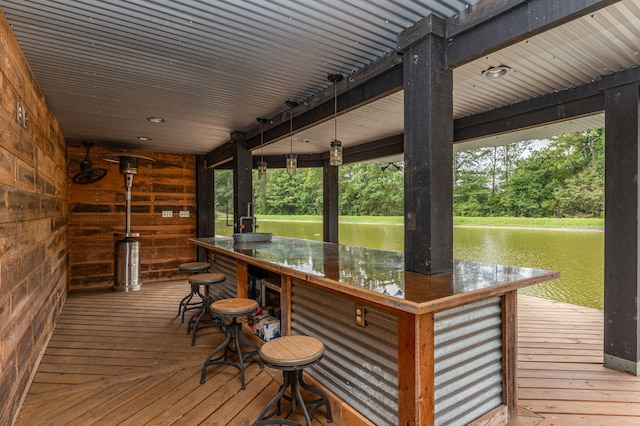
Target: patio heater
(127,250)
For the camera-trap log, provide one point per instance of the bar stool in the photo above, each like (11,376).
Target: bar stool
(186,304)
(206,280)
(232,309)
(292,354)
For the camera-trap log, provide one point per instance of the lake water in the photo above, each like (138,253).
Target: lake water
(579,256)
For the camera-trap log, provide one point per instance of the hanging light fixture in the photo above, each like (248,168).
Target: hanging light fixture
(292,159)
(262,165)
(335,150)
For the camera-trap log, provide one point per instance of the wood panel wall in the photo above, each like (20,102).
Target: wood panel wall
(97,211)
(33,225)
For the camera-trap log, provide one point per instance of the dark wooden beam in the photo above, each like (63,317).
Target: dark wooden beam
(392,145)
(305,117)
(491,25)
(428,155)
(576,102)
(220,155)
(622,236)
(330,209)
(205,204)
(242,181)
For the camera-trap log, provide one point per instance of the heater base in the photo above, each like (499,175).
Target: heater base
(127,265)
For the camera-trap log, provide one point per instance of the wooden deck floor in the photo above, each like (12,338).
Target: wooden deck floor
(124,358)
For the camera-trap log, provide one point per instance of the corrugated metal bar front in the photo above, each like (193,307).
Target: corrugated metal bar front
(468,362)
(360,363)
(224,265)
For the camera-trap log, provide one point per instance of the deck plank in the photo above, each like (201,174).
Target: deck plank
(125,358)
(560,373)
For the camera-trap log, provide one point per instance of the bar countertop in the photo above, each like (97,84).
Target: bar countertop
(378,276)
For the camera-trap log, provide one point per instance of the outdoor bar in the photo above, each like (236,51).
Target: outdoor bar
(412,337)
(401,347)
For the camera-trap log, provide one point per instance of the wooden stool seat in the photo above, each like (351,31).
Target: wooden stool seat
(292,354)
(237,306)
(194,267)
(292,351)
(232,309)
(186,304)
(206,280)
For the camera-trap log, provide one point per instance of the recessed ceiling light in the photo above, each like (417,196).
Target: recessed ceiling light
(144,138)
(156,119)
(496,72)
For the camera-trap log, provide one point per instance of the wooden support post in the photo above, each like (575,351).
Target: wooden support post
(242,279)
(622,236)
(428,148)
(415,369)
(242,181)
(510,353)
(205,204)
(330,203)
(285,305)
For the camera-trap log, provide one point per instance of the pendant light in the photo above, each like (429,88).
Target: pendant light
(335,150)
(292,159)
(262,165)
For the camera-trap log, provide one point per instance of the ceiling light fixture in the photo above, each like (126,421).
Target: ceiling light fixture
(144,138)
(335,150)
(292,159)
(262,165)
(155,119)
(496,72)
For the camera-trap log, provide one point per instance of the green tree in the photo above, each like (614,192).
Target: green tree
(566,178)
(223,191)
(371,190)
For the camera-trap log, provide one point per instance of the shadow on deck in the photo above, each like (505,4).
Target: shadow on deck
(125,358)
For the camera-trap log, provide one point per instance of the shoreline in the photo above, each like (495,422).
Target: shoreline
(510,227)
(531,228)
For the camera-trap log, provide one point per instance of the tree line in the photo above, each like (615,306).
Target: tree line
(563,178)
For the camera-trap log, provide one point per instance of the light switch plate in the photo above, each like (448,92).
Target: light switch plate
(184,213)
(167,213)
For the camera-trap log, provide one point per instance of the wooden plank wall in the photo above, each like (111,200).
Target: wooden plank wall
(97,211)
(33,225)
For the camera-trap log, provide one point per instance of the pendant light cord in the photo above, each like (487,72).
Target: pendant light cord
(335,111)
(262,142)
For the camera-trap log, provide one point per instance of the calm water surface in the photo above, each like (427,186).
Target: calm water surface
(579,256)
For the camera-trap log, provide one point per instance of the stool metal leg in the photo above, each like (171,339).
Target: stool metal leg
(293,379)
(186,304)
(323,400)
(212,321)
(264,418)
(234,338)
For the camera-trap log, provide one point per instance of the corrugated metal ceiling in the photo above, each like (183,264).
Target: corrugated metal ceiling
(212,67)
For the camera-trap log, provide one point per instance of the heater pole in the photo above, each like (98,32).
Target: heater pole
(128,181)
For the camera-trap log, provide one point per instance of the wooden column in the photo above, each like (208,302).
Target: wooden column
(622,237)
(330,203)
(510,353)
(415,369)
(205,204)
(242,180)
(428,148)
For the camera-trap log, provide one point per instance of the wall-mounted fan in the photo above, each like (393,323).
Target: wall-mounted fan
(88,174)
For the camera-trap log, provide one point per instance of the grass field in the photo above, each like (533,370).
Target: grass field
(519,222)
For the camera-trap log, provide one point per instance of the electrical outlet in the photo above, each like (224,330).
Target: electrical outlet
(360,317)
(184,213)
(167,213)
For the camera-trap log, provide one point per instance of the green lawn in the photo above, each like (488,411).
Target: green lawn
(523,222)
